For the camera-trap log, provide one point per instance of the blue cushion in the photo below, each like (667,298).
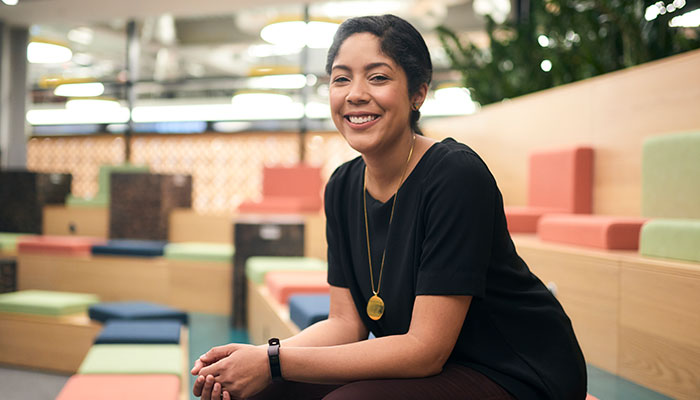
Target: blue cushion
(127,247)
(104,312)
(307,309)
(165,331)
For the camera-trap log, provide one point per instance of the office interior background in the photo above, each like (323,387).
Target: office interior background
(223,95)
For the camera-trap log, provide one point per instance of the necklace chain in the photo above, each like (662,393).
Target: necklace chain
(391,217)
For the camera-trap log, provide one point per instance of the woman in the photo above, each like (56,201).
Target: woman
(418,254)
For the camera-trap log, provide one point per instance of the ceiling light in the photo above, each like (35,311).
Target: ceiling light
(287,81)
(10,2)
(450,100)
(688,20)
(90,89)
(82,35)
(90,105)
(44,52)
(315,34)
(64,116)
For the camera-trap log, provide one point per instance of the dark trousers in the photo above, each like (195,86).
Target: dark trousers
(455,382)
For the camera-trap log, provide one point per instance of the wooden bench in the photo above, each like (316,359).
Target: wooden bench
(635,317)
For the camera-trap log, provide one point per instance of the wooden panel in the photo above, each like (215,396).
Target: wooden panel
(660,325)
(185,378)
(266,317)
(315,244)
(587,287)
(186,225)
(200,286)
(111,278)
(51,343)
(613,113)
(80,221)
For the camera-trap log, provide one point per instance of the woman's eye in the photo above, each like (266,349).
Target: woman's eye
(379,78)
(340,79)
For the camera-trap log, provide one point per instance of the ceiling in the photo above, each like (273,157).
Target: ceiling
(206,48)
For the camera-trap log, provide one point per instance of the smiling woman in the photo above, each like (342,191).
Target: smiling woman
(418,254)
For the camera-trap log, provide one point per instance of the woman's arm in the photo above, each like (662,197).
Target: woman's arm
(435,326)
(423,351)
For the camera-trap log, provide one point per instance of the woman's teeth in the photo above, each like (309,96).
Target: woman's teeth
(361,120)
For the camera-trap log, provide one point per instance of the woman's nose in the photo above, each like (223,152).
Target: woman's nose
(357,93)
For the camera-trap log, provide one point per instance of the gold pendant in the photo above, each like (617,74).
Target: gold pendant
(375,307)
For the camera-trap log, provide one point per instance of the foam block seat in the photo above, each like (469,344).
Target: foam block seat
(102,197)
(307,309)
(136,359)
(8,241)
(140,331)
(196,251)
(134,310)
(57,245)
(283,284)
(599,231)
(41,302)
(671,238)
(133,248)
(257,267)
(120,387)
(559,181)
(290,190)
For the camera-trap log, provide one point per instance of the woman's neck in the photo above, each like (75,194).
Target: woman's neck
(383,173)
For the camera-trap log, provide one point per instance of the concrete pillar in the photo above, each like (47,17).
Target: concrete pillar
(13,96)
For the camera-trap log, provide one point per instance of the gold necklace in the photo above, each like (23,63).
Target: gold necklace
(375,304)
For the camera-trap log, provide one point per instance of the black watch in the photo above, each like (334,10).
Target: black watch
(273,353)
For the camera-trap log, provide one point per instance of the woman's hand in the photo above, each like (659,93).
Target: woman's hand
(213,355)
(242,373)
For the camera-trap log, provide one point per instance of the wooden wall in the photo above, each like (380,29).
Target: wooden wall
(613,113)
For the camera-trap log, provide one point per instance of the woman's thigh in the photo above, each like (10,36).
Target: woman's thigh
(455,382)
(294,391)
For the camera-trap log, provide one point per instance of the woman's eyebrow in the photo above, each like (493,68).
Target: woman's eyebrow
(368,67)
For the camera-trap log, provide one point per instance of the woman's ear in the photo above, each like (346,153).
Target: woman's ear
(419,97)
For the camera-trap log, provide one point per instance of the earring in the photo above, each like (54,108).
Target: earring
(416,106)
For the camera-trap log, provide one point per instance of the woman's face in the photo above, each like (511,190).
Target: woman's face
(369,98)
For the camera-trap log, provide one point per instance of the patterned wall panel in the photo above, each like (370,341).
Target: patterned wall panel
(226,169)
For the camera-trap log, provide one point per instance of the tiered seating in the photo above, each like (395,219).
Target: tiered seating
(46,330)
(8,242)
(141,345)
(599,231)
(288,190)
(134,248)
(307,309)
(559,181)
(57,245)
(283,284)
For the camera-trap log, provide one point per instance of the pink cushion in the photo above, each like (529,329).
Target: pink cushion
(294,189)
(591,397)
(119,387)
(60,245)
(600,231)
(524,219)
(283,284)
(562,180)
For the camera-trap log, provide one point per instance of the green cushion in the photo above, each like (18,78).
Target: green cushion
(257,267)
(43,302)
(8,241)
(199,251)
(671,238)
(139,359)
(670,176)
(101,198)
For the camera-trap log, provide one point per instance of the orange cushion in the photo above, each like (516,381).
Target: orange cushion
(600,231)
(524,219)
(283,284)
(60,245)
(281,205)
(562,180)
(299,181)
(119,387)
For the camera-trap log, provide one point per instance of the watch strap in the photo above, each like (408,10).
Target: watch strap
(273,354)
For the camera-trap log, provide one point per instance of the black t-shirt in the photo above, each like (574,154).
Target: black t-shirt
(449,237)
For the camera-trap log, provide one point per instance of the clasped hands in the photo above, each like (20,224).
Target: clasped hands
(232,371)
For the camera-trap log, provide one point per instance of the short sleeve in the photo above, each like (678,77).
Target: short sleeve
(459,215)
(331,198)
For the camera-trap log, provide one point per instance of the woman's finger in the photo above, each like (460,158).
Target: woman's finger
(198,386)
(216,391)
(208,386)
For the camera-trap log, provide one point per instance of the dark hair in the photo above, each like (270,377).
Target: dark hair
(400,41)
